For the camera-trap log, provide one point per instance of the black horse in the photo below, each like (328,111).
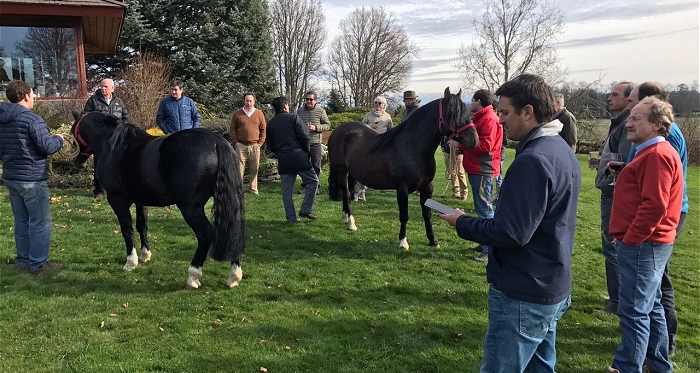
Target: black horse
(402,159)
(185,168)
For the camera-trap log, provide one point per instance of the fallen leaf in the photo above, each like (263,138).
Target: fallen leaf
(102,324)
(287,348)
(112,315)
(217,322)
(125,304)
(161,329)
(263,369)
(242,319)
(264,341)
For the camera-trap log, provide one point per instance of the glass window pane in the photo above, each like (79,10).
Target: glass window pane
(44,57)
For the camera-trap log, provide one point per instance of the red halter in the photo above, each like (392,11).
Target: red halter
(455,132)
(76,133)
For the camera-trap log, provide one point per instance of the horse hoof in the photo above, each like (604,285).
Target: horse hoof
(403,244)
(193,278)
(145,256)
(132,260)
(235,277)
(351,223)
(346,218)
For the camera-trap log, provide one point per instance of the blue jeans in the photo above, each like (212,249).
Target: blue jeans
(30,207)
(310,182)
(521,336)
(482,210)
(612,276)
(642,320)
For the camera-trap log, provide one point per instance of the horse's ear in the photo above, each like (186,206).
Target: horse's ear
(459,94)
(447,92)
(76,114)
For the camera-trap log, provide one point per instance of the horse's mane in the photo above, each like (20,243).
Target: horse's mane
(123,131)
(388,138)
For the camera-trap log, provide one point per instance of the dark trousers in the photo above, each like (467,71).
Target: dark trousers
(668,299)
(315,155)
(96,181)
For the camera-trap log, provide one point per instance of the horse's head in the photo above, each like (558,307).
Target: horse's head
(87,130)
(454,120)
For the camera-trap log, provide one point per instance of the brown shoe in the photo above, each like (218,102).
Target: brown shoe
(99,196)
(48,266)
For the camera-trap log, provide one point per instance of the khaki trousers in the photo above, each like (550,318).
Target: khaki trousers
(251,155)
(455,172)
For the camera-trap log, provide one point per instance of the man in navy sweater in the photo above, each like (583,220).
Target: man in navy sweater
(531,234)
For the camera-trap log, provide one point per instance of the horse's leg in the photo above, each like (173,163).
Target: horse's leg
(197,220)
(121,208)
(426,192)
(402,199)
(347,213)
(142,228)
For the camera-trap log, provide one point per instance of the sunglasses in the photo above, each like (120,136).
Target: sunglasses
(310,99)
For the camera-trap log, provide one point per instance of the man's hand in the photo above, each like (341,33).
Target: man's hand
(451,218)
(312,127)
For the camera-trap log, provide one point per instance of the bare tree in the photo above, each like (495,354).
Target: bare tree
(298,29)
(370,57)
(144,84)
(513,37)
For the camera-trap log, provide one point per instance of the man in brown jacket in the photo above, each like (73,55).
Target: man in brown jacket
(247,135)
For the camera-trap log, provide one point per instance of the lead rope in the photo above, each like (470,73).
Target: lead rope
(452,165)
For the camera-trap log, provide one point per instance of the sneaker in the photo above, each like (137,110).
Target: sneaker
(464,198)
(48,266)
(611,370)
(291,222)
(99,196)
(611,309)
(477,248)
(308,215)
(455,196)
(484,258)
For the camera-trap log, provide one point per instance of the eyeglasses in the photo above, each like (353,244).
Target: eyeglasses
(310,99)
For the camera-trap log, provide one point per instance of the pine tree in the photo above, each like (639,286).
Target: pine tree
(219,48)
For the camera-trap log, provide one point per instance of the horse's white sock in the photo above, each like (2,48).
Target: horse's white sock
(235,277)
(193,279)
(132,260)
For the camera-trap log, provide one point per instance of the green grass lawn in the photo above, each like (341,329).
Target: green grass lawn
(315,297)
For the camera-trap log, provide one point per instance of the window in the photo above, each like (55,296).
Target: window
(44,57)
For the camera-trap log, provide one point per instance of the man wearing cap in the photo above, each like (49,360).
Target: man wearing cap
(411,102)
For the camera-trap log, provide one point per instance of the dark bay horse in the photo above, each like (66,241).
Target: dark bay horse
(402,158)
(185,168)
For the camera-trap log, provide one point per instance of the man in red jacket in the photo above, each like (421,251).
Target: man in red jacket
(484,161)
(646,210)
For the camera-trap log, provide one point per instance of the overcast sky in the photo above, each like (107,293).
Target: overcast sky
(634,40)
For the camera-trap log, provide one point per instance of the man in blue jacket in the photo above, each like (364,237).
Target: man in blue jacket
(531,234)
(177,112)
(25,142)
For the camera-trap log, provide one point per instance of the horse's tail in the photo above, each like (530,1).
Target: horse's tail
(229,208)
(335,192)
